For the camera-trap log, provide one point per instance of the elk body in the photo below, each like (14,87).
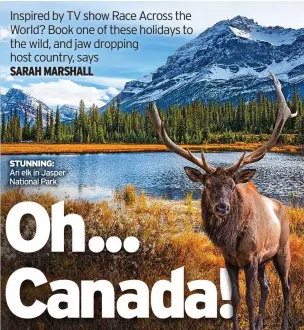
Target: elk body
(249,228)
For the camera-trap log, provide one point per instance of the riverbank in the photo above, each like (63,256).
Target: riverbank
(44,148)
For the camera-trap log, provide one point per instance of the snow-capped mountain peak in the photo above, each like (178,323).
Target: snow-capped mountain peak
(17,99)
(247,28)
(230,58)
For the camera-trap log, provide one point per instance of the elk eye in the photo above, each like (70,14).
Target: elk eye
(207,185)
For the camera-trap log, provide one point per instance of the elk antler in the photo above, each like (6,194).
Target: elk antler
(160,128)
(283,114)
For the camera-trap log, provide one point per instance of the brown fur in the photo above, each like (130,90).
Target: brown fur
(224,233)
(252,231)
(249,228)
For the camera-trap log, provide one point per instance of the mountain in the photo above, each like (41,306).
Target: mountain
(68,112)
(232,57)
(20,100)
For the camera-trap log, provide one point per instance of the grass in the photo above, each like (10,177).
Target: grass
(40,148)
(188,202)
(169,236)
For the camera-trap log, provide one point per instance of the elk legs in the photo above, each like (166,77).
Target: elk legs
(251,275)
(264,285)
(233,272)
(281,262)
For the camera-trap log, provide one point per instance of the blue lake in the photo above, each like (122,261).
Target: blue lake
(95,176)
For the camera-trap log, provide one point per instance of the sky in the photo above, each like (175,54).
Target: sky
(115,68)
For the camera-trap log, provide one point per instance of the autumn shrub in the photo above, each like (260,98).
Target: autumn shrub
(188,202)
(169,239)
(127,195)
(296,218)
(141,203)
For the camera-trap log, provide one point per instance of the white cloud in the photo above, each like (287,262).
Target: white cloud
(3,90)
(67,92)
(5,34)
(9,78)
(5,74)
(104,81)
(112,91)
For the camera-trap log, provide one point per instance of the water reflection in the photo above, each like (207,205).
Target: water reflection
(95,176)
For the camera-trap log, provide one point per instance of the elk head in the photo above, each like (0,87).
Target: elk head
(220,182)
(219,187)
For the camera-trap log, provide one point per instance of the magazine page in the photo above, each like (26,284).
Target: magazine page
(152,165)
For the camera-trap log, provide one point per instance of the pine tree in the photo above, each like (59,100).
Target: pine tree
(3,128)
(51,126)
(76,128)
(197,122)
(240,118)
(47,130)
(301,131)
(19,130)
(39,124)
(57,126)
(26,126)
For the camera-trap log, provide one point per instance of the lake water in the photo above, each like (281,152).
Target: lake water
(95,176)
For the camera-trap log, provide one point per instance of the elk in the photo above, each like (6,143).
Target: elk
(250,229)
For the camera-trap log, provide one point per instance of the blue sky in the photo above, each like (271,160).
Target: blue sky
(115,68)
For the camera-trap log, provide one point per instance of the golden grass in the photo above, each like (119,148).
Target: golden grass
(169,236)
(296,215)
(40,148)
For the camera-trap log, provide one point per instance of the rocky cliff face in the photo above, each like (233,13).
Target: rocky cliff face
(232,57)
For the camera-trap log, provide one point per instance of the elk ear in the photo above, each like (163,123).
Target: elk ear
(244,176)
(195,175)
